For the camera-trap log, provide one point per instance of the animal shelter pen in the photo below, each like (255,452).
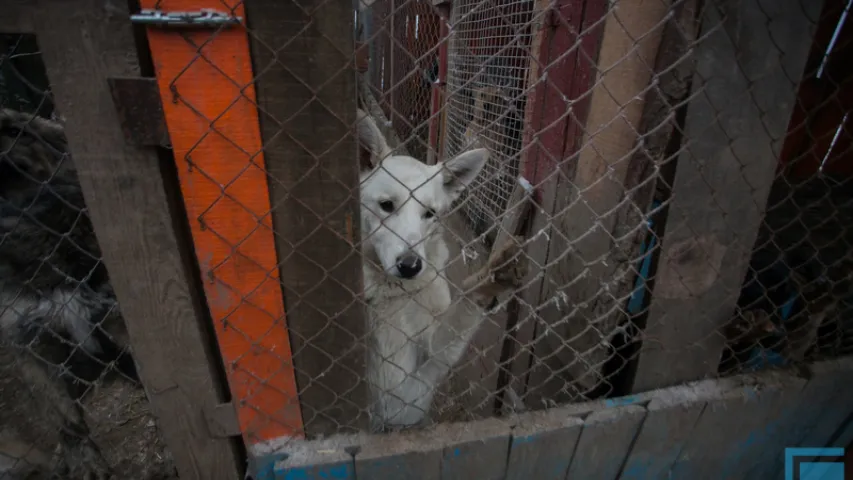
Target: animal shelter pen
(674,174)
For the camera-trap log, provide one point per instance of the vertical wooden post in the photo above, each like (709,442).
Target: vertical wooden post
(84,42)
(205,78)
(439,87)
(747,57)
(559,73)
(587,282)
(302,53)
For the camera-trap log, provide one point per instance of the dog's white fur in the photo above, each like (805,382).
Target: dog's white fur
(416,336)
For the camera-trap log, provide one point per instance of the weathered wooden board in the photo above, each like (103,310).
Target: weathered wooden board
(477,378)
(743,98)
(470,391)
(839,405)
(731,428)
(605,442)
(562,73)
(83,42)
(212,118)
(738,427)
(328,458)
(302,54)
(587,271)
(670,419)
(543,444)
(821,407)
(412,455)
(474,450)
(540,145)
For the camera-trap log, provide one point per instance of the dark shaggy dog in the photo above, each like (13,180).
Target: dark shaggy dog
(58,313)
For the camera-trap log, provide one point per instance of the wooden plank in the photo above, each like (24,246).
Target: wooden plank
(84,42)
(408,455)
(722,180)
(516,351)
(17,17)
(821,406)
(470,391)
(737,428)
(475,450)
(327,458)
(542,445)
(844,437)
(589,277)
(518,209)
(652,169)
(307,97)
(670,419)
(554,78)
(138,105)
(760,460)
(478,379)
(213,125)
(840,405)
(605,442)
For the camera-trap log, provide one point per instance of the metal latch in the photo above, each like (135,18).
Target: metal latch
(205,17)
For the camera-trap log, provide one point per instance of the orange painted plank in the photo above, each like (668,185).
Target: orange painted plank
(205,78)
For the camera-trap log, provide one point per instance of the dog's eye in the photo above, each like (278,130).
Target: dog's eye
(386,206)
(430,213)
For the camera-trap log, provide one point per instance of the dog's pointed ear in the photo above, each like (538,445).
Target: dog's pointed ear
(372,147)
(461,170)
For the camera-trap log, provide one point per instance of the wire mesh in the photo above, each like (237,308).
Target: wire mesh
(431,293)
(488,64)
(70,403)
(405,66)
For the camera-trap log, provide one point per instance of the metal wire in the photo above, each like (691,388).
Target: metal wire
(64,382)
(558,305)
(571,328)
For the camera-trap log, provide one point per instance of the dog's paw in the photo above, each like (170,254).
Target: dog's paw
(510,265)
(84,461)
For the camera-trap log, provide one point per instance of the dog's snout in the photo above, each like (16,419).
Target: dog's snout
(409,265)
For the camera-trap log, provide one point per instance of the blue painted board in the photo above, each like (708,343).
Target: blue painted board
(817,410)
(307,460)
(542,446)
(401,456)
(475,450)
(669,423)
(739,427)
(840,405)
(605,442)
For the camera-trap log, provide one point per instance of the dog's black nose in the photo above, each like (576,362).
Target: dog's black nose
(409,265)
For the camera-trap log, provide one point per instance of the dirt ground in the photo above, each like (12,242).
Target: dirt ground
(118,415)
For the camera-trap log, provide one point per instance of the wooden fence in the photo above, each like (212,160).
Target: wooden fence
(233,251)
(737,427)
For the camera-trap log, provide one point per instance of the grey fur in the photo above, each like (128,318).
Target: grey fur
(57,308)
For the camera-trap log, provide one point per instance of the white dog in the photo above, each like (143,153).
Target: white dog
(417,332)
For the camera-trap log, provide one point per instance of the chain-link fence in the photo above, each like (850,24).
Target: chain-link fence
(408,212)
(404,66)
(70,401)
(488,65)
(613,113)
(600,243)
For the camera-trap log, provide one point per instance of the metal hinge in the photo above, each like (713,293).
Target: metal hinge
(205,17)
